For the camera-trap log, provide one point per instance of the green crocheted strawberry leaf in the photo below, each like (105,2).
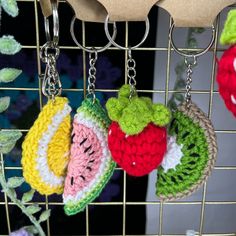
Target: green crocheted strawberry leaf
(134,114)
(228,35)
(193,162)
(161,115)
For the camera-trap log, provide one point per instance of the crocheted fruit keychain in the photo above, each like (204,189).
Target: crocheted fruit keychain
(192,146)
(137,136)
(91,165)
(226,75)
(47,144)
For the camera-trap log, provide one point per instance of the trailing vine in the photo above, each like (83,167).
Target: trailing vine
(8,139)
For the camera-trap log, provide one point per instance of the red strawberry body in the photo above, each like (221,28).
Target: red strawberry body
(138,154)
(226,78)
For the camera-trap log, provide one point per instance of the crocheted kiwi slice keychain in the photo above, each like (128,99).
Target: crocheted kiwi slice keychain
(91,165)
(191,154)
(137,136)
(47,144)
(192,149)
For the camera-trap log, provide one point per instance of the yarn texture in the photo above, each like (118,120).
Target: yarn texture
(137,136)
(228,35)
(226,79)
(173,155)
(46,148)
(134,114)
(90,166)
(195,133)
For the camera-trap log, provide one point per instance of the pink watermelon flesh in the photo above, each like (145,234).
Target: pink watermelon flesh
(86,153)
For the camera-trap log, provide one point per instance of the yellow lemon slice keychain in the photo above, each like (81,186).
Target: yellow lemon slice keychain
(47,145)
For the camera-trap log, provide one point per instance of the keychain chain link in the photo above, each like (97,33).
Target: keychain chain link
(189,65)
(92,73)
(131,73)
(51,86)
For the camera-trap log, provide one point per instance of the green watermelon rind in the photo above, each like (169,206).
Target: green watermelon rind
(73,207)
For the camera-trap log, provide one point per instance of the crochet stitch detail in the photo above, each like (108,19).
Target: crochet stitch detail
(228,35)
(138,154)
(90,166)
(46,148)
(195,132)
(134,114)
(173,155)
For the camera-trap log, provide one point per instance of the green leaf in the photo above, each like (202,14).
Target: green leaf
(11,192)
(9,74)
(27,197)
(15,182)
(8,140)
(31,229)
(10,7)
(4,103)
(33,209)
(6,148)
(179,97)
(8,45)
(199,30)
(192,43)
(44,216)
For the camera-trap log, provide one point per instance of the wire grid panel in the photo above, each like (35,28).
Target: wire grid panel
(165,92)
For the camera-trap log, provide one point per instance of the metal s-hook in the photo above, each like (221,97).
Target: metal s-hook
(51,84)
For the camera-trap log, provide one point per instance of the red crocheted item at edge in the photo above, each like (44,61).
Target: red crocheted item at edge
(138,154)
(226,78)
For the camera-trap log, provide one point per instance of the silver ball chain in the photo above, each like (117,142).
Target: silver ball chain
(189,65)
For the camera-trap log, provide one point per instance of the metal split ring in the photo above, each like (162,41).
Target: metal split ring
(126,48)
(55,38)
(191,54)
(91,50)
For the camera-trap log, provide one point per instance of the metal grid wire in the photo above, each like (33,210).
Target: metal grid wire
(203,203)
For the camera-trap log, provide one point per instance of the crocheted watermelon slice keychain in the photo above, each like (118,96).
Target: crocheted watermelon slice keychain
(226,75)
(90,166)
(46,147)
(192,149)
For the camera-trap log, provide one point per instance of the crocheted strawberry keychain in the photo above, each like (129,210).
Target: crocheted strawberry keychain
(137,136)
(46,147)
(226,75)
(90,166)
